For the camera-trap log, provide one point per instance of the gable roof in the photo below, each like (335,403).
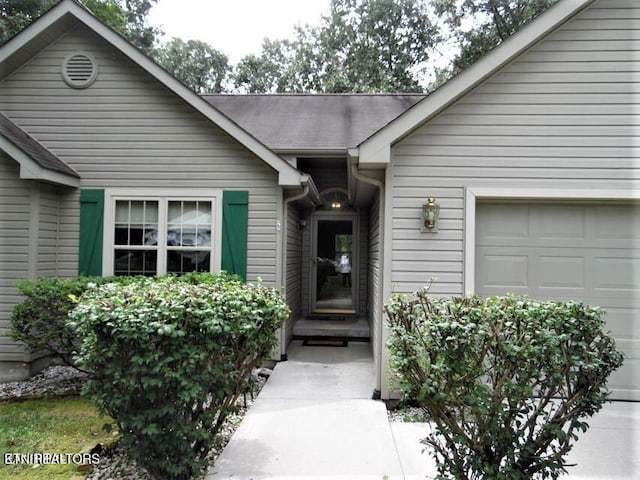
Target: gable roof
(376,150)
(308,123)
(59,18)
(36,161)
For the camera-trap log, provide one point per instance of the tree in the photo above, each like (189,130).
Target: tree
(127,17)
(361,46)
(136,30)
(16,15)
(268,72)
(492,22)
(374,45)
(197,64)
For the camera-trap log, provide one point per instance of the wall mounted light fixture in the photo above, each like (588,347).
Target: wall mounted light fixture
(430,213)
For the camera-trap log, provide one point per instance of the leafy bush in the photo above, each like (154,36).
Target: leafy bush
(170,357)
(40,320)
(509,381)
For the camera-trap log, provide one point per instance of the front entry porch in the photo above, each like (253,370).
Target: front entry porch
(332,253)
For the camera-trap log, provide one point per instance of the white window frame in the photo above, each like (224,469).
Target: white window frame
(163,197)
(473,194)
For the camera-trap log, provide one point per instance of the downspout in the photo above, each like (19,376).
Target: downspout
(287,201)
(376,183)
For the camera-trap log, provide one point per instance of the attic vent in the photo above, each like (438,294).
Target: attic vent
(79,70)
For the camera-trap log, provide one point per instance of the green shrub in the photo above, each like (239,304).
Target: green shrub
(170,357)
(509,381)
(40,320)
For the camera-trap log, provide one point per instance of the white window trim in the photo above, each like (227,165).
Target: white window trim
(473,194)
(162,195)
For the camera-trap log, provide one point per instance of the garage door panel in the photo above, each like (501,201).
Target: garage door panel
(625,379)
(560,223)
(621,321)
(505,271)
(617,223)
(587,252)
(561,272)
(617,273)
(506,222)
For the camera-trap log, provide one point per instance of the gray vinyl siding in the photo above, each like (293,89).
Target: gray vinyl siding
(14,248)
(374,249)
(128,130)
(363,235)
(68,232)
(47,232)
(293,265)
(305,269)
(560,116)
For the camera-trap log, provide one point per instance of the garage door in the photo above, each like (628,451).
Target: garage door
(588,252)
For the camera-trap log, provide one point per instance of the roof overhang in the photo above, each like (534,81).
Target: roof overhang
(31,170)
(313,152)
(376,150)
(44,30)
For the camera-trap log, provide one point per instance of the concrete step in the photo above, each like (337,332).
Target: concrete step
(340,328)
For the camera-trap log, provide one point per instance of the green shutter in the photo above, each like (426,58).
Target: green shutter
(235,226)
(91,225)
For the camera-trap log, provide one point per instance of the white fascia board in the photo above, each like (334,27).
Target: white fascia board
(373,150)
(31,170)
(288,176)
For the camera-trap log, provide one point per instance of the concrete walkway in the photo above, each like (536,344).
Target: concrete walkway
(315,420)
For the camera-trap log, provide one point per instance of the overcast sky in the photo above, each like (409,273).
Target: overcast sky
(235,27)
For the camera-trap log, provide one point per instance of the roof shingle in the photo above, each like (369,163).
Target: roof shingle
(34,149)
(312,122)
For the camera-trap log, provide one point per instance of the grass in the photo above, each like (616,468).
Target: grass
(58,426)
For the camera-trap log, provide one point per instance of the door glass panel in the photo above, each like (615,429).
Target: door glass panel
(334,265)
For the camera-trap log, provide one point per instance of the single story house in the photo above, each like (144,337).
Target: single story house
(110,166)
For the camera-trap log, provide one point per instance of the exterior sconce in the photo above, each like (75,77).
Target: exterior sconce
(336,205)
(430,212)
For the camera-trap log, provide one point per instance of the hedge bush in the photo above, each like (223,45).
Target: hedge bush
(170,357)
(40,319)
(508,381)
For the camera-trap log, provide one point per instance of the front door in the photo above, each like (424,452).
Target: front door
(334,264)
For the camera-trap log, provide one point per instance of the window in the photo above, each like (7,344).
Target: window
(136,238)
(150,235)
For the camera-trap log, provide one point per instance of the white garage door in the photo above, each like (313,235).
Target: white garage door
(588,252)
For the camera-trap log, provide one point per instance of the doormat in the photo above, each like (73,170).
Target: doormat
(325,342)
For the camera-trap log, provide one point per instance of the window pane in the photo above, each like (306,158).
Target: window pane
(151,212)
(189,224)
(135,235)
(136,222)
(137,212)
(191,261)
(122,211)
(204,237)
(135,262)
(121,236)
(151,236)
